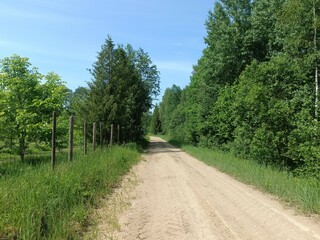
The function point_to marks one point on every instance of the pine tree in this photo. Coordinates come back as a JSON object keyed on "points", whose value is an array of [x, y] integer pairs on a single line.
{"points": [[121, 90]]}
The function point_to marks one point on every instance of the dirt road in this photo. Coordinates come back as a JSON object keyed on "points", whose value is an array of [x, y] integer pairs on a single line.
{"points": [[178, 197]]}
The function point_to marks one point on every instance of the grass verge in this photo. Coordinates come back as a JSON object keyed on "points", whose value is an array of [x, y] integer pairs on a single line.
{"points": [[302, 193], [39, 203]]}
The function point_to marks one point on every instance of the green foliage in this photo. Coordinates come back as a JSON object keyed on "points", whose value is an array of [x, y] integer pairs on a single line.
{"points": [[147, 71], [304, 144], [226, 55], [155, 123], [76, 106], [254, 90], [26, 104], [122, 89], [38, 203], [261, 39], [170, 100], [297, 23], [146, 122], [219, 128]]}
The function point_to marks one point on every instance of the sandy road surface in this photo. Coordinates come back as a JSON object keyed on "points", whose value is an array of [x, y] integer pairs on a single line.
{"points": [[178, 197]]}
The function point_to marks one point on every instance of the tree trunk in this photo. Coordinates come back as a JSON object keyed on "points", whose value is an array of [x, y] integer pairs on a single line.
{"points": [[22, 145]]}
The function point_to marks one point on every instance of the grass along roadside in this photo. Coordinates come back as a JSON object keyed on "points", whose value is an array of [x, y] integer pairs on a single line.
{"points": [[43, 204], [302, 193]]}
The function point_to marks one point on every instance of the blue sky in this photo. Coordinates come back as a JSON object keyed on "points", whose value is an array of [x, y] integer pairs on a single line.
{"points": [[64, 36]]}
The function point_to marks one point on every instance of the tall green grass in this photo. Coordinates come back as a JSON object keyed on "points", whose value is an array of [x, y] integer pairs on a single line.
{"points": [[302, 193], [38, 203]]}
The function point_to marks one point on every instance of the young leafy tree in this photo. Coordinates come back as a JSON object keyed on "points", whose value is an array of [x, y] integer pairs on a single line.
{"points": [[19, 84], [52, 96], [26, 104]]}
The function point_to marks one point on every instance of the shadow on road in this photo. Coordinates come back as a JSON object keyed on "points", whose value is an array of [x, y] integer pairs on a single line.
{"points": [[162, 147]]}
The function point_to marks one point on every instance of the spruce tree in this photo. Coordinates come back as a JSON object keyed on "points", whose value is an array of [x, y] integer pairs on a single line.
{"points": [[122, 88]]}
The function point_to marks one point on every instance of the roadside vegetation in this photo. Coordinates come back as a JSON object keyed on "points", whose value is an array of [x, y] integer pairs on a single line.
{"points": [[38, 203]]}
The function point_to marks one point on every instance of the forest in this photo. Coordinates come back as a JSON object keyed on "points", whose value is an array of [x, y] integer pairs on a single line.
{"points": [[254, 91], [124, 83]]}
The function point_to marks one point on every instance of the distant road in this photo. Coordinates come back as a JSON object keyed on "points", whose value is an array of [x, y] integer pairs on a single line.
{"points": [[179, 197]]}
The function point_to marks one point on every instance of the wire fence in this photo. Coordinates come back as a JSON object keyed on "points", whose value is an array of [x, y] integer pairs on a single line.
{"points": [[83, 138]]}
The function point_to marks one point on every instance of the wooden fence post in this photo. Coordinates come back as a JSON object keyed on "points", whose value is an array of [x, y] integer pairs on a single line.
{"points": [[101, 139], [54, 136], [94, 137], [71, 124], [111, 135], [85, 137]]}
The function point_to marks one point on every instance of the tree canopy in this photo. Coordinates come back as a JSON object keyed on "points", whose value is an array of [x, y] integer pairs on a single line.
{"points": [[124, 83], [254, 91], [27, 101]]}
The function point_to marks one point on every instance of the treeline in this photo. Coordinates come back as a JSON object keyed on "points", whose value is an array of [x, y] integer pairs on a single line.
{"points": [[123, 85], [254, 91]]}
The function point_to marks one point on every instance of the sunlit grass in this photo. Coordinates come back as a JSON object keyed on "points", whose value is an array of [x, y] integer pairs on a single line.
{"points": [[39, 203]]}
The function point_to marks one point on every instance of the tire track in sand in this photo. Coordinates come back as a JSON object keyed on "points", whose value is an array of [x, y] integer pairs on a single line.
{"points": [[179, 197]]}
